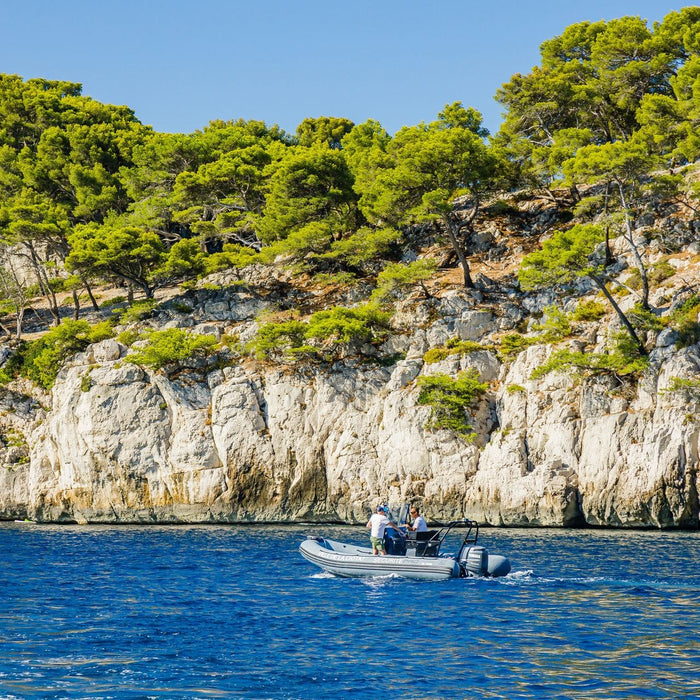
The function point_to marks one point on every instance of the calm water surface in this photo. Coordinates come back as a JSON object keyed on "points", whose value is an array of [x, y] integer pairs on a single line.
{"points": [[234, 612]]}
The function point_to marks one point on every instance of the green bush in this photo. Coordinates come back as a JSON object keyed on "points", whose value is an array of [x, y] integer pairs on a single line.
{"points": [[344, 325], [56, 284], [589, 207], [114, 301], [33, 290], [634, 279], [644, 319], [303, 352], [661, 271], [589, 311], [396, 278], [41, 359], [689, 387], [171, 346], [684, 319], [339, 325], [138, 311], [454, 346], [622, 359], [233, 256], [325, 279], [513, 344], [278, 337], [555, 326], [129, 337], [449, 398], [503, 208], [85, 382]]}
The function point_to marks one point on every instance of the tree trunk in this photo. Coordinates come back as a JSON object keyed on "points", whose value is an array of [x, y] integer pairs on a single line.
{"points": [[76, 305], [43, 281], [453, 232], [13, 289], [608, 253], [629, 236], [18, 323], [620, 314], [575, 194], [88, 289]]}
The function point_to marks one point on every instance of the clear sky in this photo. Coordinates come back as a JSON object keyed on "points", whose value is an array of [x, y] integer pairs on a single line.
{"points": [[181, 64]]}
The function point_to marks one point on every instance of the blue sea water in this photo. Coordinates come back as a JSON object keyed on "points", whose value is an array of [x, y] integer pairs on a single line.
{"points": [[235, 612]]}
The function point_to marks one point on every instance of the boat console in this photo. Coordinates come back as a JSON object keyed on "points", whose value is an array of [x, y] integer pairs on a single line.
{"points": [[427, 544]]}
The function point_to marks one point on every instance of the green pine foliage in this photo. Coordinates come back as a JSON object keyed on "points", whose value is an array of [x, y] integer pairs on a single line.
{"points": [[276, 338], [329, 279], [85, 188], [555, 326], [688, 388], [171, 346], [454, 346], [138, 311], [645, 320], [589, 311], [233, 255], [364, 246], [364, 324], [685, 319], [512, 344], [623, 359], [449, 398], [661, 271], [325, 331], [398, 278], [40, 360]]}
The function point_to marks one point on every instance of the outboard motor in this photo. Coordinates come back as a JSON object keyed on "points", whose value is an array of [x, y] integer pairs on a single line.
{"points": [[498, 565], [474, 561]]}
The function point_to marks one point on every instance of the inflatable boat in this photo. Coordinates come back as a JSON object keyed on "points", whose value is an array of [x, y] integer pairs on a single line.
{"points": [[414, 555]]}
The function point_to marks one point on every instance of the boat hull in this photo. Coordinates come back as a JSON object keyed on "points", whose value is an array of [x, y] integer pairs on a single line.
{"points": [[348, 560]]}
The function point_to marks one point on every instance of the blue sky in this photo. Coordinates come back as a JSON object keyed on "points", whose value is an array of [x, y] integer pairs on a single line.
{"points": [[180, 64]]}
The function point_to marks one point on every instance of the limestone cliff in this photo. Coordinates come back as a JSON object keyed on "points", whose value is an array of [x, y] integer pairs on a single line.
{"points": [[261, 442]]}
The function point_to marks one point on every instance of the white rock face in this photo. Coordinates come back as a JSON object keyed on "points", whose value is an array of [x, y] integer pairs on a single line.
{"points": [[243, 444]]}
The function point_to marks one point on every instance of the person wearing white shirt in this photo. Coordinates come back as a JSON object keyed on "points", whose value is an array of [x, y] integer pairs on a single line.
{"points": [[377, 524], [419, 524]]}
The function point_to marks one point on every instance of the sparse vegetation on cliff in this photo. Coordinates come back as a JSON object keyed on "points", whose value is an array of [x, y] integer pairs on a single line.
{"points": [[449, 398], [41, 359], [170, 346]]}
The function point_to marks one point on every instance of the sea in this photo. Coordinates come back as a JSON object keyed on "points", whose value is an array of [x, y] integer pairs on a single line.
{"points": [[234, 612]]}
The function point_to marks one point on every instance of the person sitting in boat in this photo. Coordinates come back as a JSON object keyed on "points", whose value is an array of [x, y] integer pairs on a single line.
{"points": [[377, 524], [419, 524]]}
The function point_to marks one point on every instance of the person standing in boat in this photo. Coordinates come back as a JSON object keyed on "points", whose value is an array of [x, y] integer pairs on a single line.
{"points": [[377, 525], [419, 524]]}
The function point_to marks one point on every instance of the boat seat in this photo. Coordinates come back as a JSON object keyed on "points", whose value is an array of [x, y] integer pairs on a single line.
{"points": [[423, 543]]}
